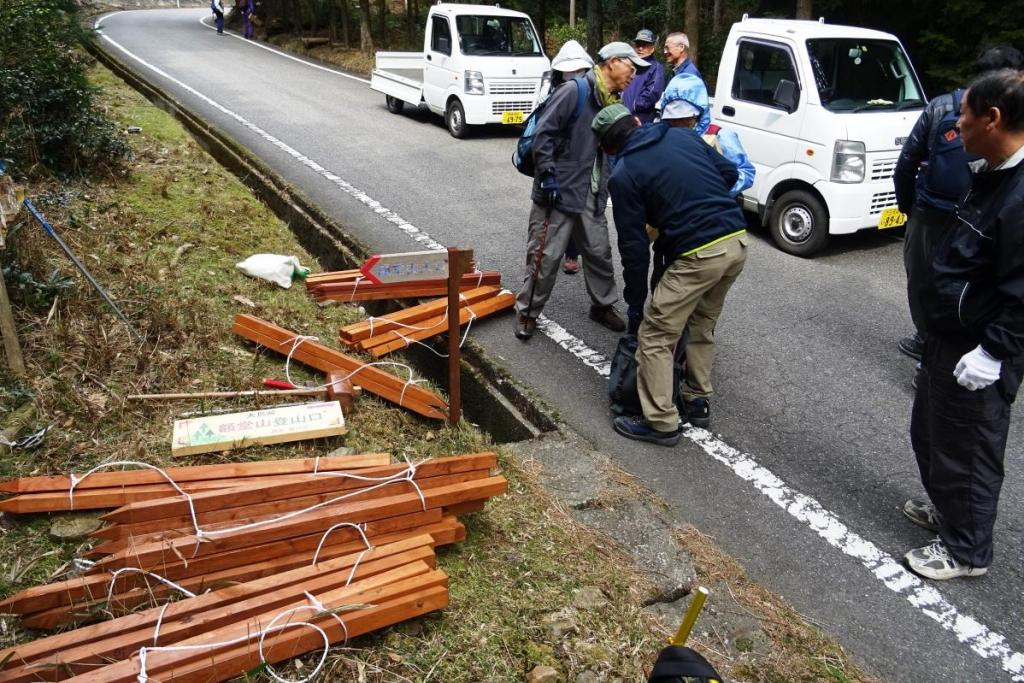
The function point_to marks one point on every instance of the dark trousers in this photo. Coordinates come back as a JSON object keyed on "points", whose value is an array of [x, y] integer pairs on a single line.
{"points": [[218, 20], [926, 229], [959, 438]]}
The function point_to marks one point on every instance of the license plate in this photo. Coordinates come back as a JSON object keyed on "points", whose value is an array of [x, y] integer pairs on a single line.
{"points": [[511, 117], [891, 218]]}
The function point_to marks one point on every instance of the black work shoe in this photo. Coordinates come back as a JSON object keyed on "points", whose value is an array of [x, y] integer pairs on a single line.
{"points": [[525, 326], [609, 317], [698, 413], [911, 346], [638, 428]]}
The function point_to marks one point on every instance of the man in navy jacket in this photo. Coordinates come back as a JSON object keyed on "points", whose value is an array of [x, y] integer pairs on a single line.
{"points": [[670, 186], [645, 89]]}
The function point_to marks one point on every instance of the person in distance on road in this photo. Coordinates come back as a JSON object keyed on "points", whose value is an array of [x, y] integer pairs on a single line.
{"points": [[931, 175], [666, 176], [973, 360], [217, 7], [570, 193]]}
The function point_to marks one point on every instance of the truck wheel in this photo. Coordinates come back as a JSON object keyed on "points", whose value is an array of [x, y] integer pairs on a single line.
{"points": [[799, 223], [455, 119], [395, 105]]}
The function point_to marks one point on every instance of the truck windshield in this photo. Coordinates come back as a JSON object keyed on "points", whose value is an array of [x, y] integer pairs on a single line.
{"points": [[863, 75], [498, 36]]}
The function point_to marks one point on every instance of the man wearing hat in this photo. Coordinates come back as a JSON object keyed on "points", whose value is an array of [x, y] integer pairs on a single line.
{"points": [[645, 90], [671, 187], [570, 193]]}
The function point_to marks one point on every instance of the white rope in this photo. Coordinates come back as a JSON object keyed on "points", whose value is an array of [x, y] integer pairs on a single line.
{"points": [[410, 341], [136, 570], [355, 286]]}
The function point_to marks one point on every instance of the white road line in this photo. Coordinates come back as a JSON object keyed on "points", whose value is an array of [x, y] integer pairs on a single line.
{"points": [[927, 599]]}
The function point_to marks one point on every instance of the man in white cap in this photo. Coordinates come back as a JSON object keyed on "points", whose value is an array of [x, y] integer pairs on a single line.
{"points": [[570, 193]]}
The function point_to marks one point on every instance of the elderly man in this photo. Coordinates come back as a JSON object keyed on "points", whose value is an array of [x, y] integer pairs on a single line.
{"points": [[667, 177], [973, 360], [570, 193], [677, 55], [645, 90]]}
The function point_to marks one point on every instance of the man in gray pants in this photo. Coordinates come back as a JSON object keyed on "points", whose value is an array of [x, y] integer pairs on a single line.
{"points": [[570, 192]]}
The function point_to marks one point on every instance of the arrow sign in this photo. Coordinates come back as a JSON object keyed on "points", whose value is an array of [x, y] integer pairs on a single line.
{"points": [[414, 265]]}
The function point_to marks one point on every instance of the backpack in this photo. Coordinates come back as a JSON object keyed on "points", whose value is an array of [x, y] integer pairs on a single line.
{"points": [[947, 175], [622, 389], [676, 663], [522, 157]]}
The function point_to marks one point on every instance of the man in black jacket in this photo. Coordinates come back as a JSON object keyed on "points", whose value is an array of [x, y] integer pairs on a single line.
{"points": [[931, 175], [973, 304]]}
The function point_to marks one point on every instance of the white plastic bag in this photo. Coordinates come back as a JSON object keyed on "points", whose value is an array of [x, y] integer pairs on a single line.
{"points": [[273, 268]]}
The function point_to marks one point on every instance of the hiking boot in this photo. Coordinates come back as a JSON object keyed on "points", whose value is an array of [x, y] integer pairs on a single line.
{"points": [[638, 428], [922, 514], [571, 265], [911, 346], [934, 561], [698, 413], [525, 326], [609, 317]]}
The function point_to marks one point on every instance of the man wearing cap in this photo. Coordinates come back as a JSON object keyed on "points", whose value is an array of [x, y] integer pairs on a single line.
{"points": [[671, 187], [570, 193], [645, 90]]}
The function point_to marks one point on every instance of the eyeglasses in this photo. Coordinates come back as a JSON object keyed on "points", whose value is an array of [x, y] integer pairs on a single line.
{"points": [[629, 63]]}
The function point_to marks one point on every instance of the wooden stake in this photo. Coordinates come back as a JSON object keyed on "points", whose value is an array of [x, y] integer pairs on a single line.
{"points": [[458, 264], [15, 361]]}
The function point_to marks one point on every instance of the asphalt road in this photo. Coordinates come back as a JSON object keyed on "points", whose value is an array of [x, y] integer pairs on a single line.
{"points": [[810, 459]]}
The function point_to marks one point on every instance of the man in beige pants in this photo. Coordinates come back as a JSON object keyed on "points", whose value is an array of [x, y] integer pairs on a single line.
{"points": [[667, 176]]}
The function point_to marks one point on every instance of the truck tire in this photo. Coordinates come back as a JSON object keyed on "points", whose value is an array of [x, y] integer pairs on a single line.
{"points": [[395, 105], [455, 119], [799, 223]]}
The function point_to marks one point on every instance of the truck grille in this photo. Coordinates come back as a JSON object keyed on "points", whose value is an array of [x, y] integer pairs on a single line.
{"points": [[525, 106], [512, 88], [882, 169], [882, 200]]}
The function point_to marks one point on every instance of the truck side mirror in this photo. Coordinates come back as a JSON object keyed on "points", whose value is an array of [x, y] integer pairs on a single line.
{"points": [[786, 94]]}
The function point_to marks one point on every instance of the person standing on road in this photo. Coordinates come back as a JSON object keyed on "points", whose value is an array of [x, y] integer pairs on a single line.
{"points": [[217, 7], [248, 11], [677, 55], [670, 186], [570, 193], [973, 360], [931, 175], [645, 90]]}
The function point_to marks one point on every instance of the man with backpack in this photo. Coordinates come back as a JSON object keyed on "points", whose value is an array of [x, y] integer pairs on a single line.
{"points": [[217, 7], [931, 175], [570, 191]]}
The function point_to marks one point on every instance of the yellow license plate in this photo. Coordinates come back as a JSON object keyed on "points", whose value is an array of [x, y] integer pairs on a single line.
{"points": [[891, 218], [511, 117]]}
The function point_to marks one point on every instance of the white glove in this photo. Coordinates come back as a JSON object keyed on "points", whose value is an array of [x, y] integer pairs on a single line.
{"points": [[976, 369]]}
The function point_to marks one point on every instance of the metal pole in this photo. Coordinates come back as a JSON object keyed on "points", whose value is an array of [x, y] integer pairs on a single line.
{"points": [[696, 605]]}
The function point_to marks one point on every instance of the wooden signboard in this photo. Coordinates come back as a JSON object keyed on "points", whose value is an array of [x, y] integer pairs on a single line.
{"points": [[406, 267], [267, 426]]}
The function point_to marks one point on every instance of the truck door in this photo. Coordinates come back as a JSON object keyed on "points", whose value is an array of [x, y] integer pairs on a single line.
{"points": [[769, 133], [438, 73]]}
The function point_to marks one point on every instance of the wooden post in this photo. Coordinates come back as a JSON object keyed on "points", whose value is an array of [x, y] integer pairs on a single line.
{"points": [[458, 263], [9, 206]]}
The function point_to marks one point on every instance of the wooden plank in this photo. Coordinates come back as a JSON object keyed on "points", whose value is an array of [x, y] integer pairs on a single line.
{"points": [[410, 316], [234, 470], [465, 508], [219, 500], [358, 290]]}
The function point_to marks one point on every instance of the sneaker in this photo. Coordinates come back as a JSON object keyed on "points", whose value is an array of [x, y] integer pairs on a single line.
{"points": [[525, 326], [571, 265], [934, 561], [638, 428], [922, 514], [609, 317], [698, 413], [911, 346]]}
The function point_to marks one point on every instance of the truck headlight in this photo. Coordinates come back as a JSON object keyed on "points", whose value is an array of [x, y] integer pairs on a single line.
{"points": [[474, 82], [848, 162]]}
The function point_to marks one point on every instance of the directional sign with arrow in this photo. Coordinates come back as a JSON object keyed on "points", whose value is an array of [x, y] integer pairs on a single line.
{"points": [[413, 265]]}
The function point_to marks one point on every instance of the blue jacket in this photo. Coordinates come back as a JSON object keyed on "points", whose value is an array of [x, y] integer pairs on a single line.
{"points": [[644, 91], [673, 180], [687, 67]]}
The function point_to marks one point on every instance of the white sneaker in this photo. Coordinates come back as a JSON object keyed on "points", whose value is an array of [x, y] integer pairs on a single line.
{"points": [[935, 562]]}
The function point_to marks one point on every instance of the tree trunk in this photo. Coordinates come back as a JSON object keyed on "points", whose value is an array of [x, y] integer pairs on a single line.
{"points": [[542, 22], [670, 16], [382, 22], [594, 26], [693, 27], [804, 9], [296, 11], [716, 19], [408, 22], [365, 37], [346, 30]]}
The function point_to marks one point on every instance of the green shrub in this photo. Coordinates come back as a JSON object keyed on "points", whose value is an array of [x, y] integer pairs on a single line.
{"points": [[47, 112], [560, 34]]}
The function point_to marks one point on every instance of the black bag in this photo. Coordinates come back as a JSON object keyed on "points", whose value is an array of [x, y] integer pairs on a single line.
{"points": [[677, 664], [622, 390]]}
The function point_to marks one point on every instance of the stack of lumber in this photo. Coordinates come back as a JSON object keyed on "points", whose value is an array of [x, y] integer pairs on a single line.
{"points": [[332, 547], [344, 286], [113, 489], [382, 335], [320, 357]]}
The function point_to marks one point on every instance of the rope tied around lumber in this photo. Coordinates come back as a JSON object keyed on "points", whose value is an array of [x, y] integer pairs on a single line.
{"points": [[373, 318], [300, 338], [465, 335]]}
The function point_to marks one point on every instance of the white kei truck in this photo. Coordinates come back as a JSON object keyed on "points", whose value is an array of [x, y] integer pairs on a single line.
{"points": [[480, 64], [823, 111]]}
